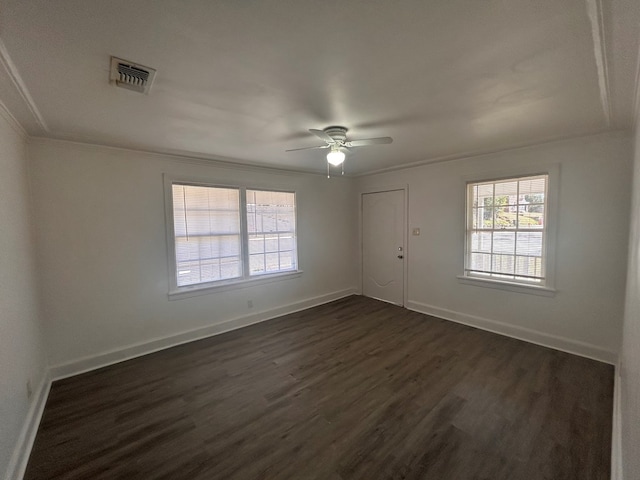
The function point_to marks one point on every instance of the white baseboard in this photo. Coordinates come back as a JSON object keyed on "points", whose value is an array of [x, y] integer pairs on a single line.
{"points": [[132, 351], [616, 433], [521, 333], [22, 451]]}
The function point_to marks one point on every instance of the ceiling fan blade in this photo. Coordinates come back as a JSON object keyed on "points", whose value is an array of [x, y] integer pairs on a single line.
{"points": [[369, 141], [322, 135], [306, 148]]}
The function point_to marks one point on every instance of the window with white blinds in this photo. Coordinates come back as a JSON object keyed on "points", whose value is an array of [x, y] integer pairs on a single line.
{"points": [[271, 226], [507, 229], [223, 235], [206, 223]]}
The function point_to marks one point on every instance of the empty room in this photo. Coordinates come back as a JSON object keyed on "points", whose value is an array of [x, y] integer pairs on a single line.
{"points": [[280, 239]]}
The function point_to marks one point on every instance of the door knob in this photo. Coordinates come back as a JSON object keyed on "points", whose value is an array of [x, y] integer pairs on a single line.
{"points": [[400, 257]]}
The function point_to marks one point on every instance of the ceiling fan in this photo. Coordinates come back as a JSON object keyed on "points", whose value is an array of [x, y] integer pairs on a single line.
{"points": [[336, 140]]}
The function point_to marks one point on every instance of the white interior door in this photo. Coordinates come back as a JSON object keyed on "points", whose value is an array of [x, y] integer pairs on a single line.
{"points": [[383, 230]]}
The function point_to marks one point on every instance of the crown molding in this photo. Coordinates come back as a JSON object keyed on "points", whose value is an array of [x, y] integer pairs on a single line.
{"points": [[206, 160], [483, 153], [12, 121], [636, 92], [21, 88], [594, 11]]}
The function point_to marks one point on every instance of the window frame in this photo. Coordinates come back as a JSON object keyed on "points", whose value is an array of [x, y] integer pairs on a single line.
{"points": [[246, 279], [547, 288]]}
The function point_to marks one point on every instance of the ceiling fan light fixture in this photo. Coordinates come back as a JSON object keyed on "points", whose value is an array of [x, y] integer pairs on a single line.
{"points": [[335, 157], [335, 139]]}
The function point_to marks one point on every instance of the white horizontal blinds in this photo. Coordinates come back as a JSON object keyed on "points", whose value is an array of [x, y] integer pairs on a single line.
{"points": [[271, 228], [206, 222], [506, 231]]}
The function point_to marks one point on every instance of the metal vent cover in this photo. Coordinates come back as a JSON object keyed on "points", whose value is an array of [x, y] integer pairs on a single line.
{"points": [[131, 75]]}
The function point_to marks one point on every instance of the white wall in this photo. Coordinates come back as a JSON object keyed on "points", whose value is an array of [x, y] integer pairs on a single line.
{"points": [[103, 262], [630, 355], [585, 316], [101, 241], [21, 353]]}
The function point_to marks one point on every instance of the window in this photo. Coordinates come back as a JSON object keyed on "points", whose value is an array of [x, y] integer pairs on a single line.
{"points": [[271, 225], [226, 235], [507, 230], [206, 224]]}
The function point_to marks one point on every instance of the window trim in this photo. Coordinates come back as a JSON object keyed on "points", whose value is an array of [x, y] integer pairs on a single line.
{"points": [[246, 280], [550, 240]]}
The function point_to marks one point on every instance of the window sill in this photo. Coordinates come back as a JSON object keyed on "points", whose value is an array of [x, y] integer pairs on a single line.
{"points": [[196, 290], [508, 286]]}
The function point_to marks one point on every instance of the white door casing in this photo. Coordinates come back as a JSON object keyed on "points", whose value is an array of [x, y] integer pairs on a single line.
{"points": [[383, 245]]}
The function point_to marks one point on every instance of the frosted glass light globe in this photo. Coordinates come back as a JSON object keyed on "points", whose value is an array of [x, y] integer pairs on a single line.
{"points": [[335, 157]]}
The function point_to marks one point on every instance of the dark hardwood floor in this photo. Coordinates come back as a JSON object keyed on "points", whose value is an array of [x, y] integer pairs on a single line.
{"points": [[355, 389]]}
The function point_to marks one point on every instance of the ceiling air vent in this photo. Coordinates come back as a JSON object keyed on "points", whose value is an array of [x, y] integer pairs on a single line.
{"points": [[130, 75]]}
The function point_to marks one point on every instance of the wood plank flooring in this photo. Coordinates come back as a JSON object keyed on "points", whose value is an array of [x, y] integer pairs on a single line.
{"points": [[355, 389]]}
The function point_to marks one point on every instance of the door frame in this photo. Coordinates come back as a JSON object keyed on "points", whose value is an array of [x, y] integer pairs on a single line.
{"points": [[405, 242]]}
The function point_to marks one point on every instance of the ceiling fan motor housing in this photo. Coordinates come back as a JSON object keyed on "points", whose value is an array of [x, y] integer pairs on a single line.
{"points": [[339, 134]]}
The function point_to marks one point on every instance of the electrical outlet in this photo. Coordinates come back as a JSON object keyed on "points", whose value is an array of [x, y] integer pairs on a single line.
{"points": [[250, 303], [29, 390]]}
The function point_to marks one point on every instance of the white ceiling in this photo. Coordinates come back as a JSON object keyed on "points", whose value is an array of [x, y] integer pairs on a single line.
{"points": [[243, 80]]}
